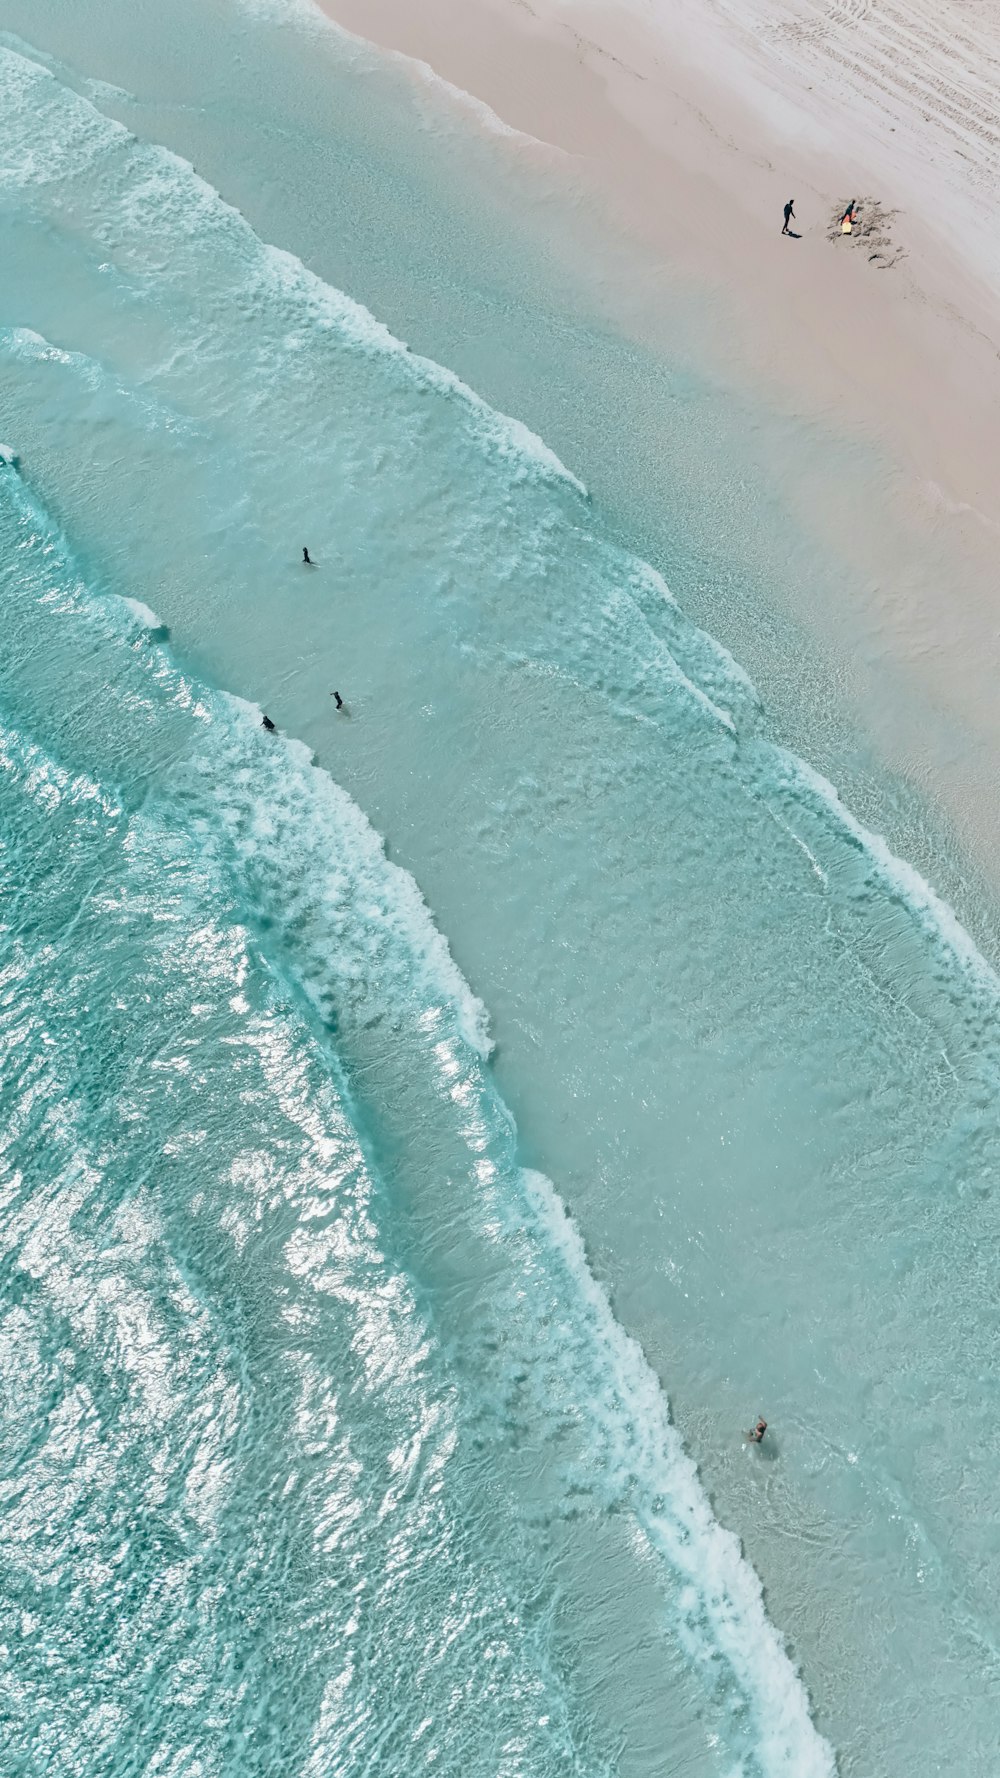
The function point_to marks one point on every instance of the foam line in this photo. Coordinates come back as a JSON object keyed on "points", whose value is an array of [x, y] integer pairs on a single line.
{"points": [[31, 347], [319, 860], [648, 1469], [91, 134], [902, 882], [145, 618]]}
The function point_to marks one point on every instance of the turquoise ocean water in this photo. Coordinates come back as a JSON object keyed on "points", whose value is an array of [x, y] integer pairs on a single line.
{"points": [[395, 1242]]}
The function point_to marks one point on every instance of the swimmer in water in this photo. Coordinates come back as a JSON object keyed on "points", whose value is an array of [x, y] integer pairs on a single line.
{"points": [[340, 701], [758, 1432], [307, 561], [269, 725]]}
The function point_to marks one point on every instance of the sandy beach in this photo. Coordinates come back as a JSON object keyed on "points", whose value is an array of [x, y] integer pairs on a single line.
{"points": [[694, 125]]}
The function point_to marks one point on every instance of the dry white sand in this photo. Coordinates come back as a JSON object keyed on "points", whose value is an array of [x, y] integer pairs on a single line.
{"points": [[695, 120], [910, 88]]}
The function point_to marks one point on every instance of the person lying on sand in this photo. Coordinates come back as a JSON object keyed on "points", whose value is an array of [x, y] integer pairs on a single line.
{"points": [[847, 220], [758, 1432]]}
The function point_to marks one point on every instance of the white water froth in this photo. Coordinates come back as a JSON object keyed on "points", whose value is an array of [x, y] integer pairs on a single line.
{"points": [[331, 307], [902, 882], [786, 772], [146, 618], [715, 663], [31, 347], [305, 837], [163, 185], [650, 1470]]}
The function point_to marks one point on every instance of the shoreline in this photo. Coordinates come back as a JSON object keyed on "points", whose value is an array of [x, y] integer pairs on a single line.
{"points": [[901, 356]]}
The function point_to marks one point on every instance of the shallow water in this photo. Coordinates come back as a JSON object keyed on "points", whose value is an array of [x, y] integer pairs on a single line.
{"points": [[325, 1451]]}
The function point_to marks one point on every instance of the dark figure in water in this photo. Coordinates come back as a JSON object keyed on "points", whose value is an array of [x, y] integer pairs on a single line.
{"points": [[789, 214], [269, 725], [758, 1432], [307, 561], [340, 701]]}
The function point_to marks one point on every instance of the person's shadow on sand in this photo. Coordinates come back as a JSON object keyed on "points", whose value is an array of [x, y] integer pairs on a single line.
{"points": [[792, 236]]}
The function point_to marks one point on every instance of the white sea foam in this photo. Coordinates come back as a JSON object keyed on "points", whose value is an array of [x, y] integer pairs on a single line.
{"points": [[617, 606], [898, 878], [25, 343], [649, 1470], [146, 618], [30, 347], [728, 666], [302, 12], [356, 324], [468, 102], [314, 854], [787, 773], [165, 200]]}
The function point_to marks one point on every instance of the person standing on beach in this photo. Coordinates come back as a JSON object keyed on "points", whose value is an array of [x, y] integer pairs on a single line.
{"points": [[789, 214]]}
